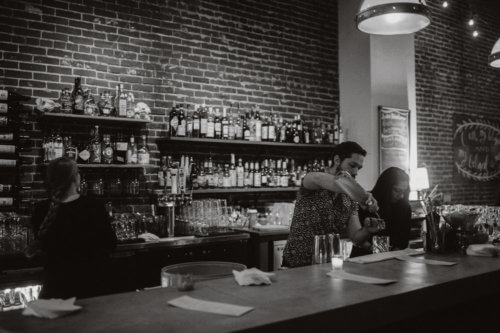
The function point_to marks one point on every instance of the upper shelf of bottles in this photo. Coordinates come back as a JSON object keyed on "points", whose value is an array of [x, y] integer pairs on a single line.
{"points": [[317, 147], [113, 166], [246, 190], [70, 116]]}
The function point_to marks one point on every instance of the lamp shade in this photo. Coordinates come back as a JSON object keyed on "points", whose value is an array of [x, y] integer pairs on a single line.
{"points": [[419, 179], [386, 17], [494, 58]]}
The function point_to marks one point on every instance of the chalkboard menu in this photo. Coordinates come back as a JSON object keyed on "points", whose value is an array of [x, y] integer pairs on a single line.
{"points": [[476, 148], [394, 144]]}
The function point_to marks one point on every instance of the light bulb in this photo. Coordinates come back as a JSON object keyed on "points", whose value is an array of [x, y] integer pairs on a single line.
{"points": [[475, 33], [471, 22], [445, 4]]}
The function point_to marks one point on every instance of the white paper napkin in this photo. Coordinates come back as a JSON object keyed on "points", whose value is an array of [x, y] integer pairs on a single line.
{"points": [[483, 250], [338, 274], [384, 256], [190, 303], [51, 308], [426, 261], [252, 276]]}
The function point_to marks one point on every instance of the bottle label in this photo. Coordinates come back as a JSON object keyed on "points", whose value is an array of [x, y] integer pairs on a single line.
{"points": [[174, 123], [6, 201], [107, 154], [84, 155], [143, 158], [203, 126], [210, 130], [271, 133], [122, 108], [7, 149], [196, 124], [265, 133], [4, 95], [79, 102], [121, 146], [181, 129], [226, 182], [4, 108]]}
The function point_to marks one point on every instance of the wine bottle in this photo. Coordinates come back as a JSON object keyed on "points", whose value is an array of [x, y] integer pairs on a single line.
{"points": [[12, 96], [77, 97]]}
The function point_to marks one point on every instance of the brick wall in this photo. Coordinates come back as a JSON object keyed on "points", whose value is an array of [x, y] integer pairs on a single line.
{"points": [[453, 77], [280, 55]]}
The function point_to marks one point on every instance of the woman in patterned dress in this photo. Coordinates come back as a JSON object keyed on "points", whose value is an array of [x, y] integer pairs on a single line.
{"points": [[327, 202]]}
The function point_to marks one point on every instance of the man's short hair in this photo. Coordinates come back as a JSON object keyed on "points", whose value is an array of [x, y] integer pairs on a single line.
{"points": [[346, 149]]}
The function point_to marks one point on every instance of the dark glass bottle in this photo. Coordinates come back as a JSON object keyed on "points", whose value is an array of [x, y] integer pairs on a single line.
{"points": [[77, 97]]}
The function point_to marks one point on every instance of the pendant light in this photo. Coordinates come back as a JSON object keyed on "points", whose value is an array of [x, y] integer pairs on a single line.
{"points": [[389, 17], [494, 58]]}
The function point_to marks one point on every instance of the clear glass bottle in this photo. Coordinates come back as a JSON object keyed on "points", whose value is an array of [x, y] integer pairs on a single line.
{"points": [[143, 151], [132, 151]]}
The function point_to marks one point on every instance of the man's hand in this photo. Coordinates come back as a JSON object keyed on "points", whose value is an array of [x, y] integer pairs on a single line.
{"points": [[373, 224], [370, 204]]}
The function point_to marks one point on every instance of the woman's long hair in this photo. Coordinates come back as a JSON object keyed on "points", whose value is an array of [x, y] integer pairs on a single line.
{"points": [[382, 191], [61, 173]]}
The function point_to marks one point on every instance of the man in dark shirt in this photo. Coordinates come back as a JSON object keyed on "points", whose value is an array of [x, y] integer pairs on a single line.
{"points": [[327, 202]]}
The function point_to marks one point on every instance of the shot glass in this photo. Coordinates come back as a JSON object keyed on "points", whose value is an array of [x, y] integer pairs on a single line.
{"points": [[337, 251]]}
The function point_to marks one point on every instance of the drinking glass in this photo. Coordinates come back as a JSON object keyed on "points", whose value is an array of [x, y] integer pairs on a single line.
{"points": [[320, 249], [380, 244], [336, 251]]}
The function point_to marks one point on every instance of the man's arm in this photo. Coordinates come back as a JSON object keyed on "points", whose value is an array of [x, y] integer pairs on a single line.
{"points": [[339, 184]]}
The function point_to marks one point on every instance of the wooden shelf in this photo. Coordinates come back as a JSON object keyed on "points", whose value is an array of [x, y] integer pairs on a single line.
{"points": [[114, 166], [203, 141], [77, 117]]}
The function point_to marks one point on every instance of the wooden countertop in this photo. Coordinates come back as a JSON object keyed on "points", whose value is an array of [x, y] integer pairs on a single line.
{"points": [[299, 299]]}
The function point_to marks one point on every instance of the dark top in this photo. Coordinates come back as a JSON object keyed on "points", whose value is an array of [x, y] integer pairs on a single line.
{"points": [[397, 226], [317, 212], [77, 248]]}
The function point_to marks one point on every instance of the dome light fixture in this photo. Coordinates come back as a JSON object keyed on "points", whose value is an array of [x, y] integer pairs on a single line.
{"points": [[494, 58], [389, 17]]}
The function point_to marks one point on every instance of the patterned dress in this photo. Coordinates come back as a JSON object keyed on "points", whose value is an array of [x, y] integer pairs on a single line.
{"points": [[317, 212]]}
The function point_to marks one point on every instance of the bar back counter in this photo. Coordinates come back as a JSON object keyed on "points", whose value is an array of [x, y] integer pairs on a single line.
{"points": [[424, 298]]}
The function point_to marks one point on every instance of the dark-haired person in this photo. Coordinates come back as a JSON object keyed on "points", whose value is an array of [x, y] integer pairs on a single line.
{"points": [[391, 192], [327, 202], [74, 234]]}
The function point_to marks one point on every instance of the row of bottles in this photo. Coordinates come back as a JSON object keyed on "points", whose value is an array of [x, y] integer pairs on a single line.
{"points": [[250, 125], [78, 101], [116, 187], [97, 150], [176, 177]]}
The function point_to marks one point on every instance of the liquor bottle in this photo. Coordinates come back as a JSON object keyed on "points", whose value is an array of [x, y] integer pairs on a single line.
{"points": [[143, 151], [232, 128], [203, 121], [264, 173], [247, 182], [232, 171], [189, 122], [196, 122], [272, 128], [95, 146], [342, 132], [336, 130], [77, 97], [265, 128], [210, 124], [246, 130], [161, 171], [181, 128], [238, 126], [12, 96], [202, 180], [65, 101], [58, 150], [329, 133], [130, 105], [89, 106], [122, 102], [210, 174], [107, 150], [284, 175], [193, 178], [83, 153], [218, 124], [120, 150], [295, 130], [240, 174], [132, 151], [220, 175], [258, 125], [277, 174], [257, 176], [226, 179], [292, 176], [250, 175], [174, 121], [300, 127], [251, 124], [108, 107], [225, 125], [70, 150]]}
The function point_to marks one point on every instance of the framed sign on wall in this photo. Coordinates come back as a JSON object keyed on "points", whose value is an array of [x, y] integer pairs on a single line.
{"points": [[394, 138]]}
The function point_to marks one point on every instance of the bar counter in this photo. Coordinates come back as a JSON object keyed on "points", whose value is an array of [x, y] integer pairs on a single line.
{"points": [[302, 299]]}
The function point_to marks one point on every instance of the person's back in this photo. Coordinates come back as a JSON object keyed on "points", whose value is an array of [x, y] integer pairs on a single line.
{"points": [[75, 236]]}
